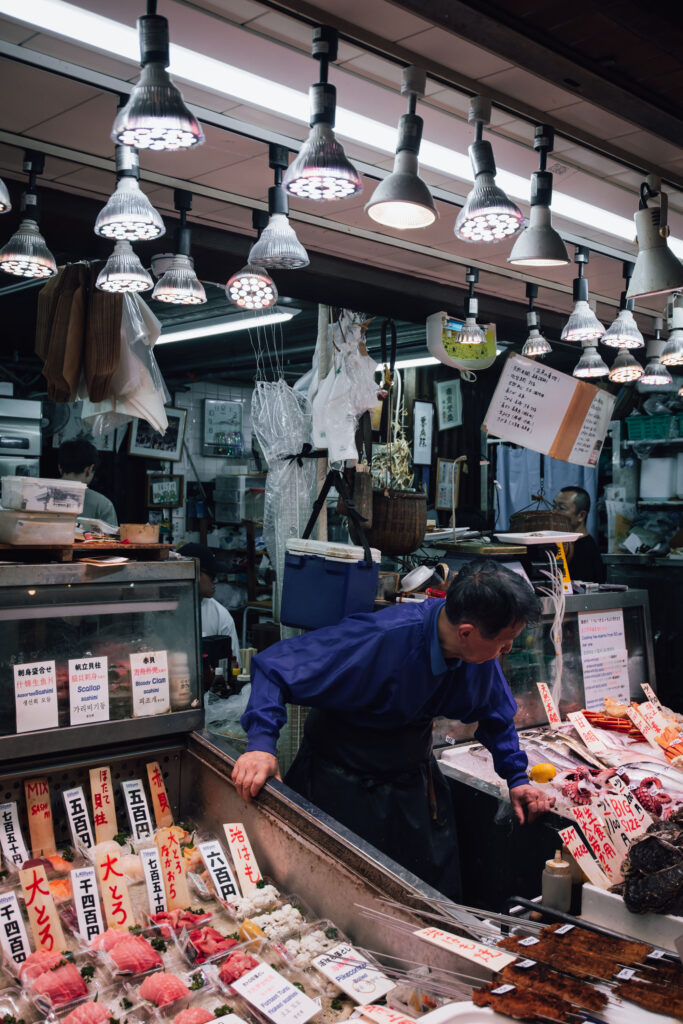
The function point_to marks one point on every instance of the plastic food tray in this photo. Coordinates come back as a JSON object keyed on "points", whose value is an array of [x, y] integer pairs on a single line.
{"points": [[42, 494]]}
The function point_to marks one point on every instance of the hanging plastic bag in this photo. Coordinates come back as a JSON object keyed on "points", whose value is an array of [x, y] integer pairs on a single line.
{"points": [[334, 421]]}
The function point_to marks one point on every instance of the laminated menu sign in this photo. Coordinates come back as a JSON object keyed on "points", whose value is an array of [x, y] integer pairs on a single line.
{"points": [[274, 996], [43, 918], [79, 822], [486, 956], [35, 696], [352, 973], [604, 657], [138, 811], [149, 674], [153, 880], [88, 690], [219, 869], [549, 412], [87, 901], [13, 938], [12, 842], [243, 857]]}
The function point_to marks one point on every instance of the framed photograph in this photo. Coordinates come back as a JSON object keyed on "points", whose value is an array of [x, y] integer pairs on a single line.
{"points": [[164, 490], [423, 429], [449, 403], [222, 433], [145, 441], [445, 482]]}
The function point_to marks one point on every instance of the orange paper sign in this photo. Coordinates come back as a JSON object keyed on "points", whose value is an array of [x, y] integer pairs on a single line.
{"points": [[118, 909], [248, 874], [172, 869], [551, 711], [39, 813], [485, 956], [579, 851], [43, 918], [162, 808], [103, 810]]}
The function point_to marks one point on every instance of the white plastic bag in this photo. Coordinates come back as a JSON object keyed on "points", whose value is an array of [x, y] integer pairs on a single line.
{"points": [[334, 421]]}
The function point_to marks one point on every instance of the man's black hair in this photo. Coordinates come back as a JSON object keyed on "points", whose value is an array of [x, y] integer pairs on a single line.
{"points": [[75, 456], [491, 597], [582, 499]]}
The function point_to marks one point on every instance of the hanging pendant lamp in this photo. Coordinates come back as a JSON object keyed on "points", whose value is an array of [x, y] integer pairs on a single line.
{"points": [[179, 285], [624, 333], [128, 213], [539, 245], [582, 325], [26, 254], [278, 248], [252, 287]]}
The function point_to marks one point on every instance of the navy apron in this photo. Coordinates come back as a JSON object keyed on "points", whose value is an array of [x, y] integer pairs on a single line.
{"points": [[385, 785]]}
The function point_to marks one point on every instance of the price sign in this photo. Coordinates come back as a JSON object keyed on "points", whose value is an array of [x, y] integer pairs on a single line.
{"points": [[154, 880], [35, 696], [39, 810], [149, 673], [648, 729], [633, 818], [42, 914], [88, 690], [104, 811], [138, 811], [475, 952], [549, 705], [118, 909], [79, 822], [87, 901], [162, 808], [172, 869], [13, 937], [593, 828], [352, 973], [242, 857], [651, 695], [384, 1015], [274, 996], [586, 731], [217, 865], [579, 851], [13, 846]]}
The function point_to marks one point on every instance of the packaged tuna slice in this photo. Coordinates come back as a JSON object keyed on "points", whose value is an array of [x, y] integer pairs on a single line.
{"points": [[108, 939], [162, 988], [59, 986], [191, 1015], [135, 955], [206, 943], [173, 921], [88, 1013], [37, 963]]}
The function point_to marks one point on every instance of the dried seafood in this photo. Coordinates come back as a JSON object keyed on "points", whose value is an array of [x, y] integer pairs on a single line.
{"points": [[654, 996], [545, 981], [653, 870], [522, 1004], [582, 953]]}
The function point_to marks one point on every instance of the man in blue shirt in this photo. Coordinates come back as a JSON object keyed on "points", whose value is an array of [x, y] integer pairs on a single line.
{"points": [[375, 682]]}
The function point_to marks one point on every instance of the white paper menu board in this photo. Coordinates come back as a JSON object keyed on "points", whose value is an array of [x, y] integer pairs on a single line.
{"points": [[549, 412], [604, 657]]}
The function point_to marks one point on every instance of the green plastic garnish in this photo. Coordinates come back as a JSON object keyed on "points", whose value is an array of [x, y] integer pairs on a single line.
{"points": [[121, 838], [233, 935], [336, 1004], [68, 854], [197, 981], [221, 1011], [158, 943], [135, 929], [114, 1020], [331, 933], [297, 984], [126, 1003], [261, 884], [88, 972], [198, 911]]}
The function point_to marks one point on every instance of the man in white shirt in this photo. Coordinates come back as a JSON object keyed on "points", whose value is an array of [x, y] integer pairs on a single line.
{"points": [[216, 619], [77, 460]]}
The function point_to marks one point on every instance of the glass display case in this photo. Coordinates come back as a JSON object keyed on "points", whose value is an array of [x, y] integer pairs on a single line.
{"points": [[85, 649]]}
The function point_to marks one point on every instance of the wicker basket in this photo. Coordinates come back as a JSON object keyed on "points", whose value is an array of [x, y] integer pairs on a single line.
{"points": [[399, 521], [529, 520]]}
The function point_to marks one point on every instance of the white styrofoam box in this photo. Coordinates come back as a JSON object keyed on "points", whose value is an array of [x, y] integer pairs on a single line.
{"points": [[42, 494], [609, 910], [658, 478], [332, 550], [27, 528]]}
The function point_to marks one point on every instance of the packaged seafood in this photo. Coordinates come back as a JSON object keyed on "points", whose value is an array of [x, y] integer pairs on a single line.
{"points": [[162, 987], [59, 985], [133, 954]]}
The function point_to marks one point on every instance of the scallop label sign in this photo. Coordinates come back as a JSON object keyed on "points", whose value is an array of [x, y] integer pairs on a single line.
{"points": [[352, 973]]}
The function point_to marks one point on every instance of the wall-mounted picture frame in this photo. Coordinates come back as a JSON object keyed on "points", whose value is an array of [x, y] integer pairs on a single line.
{"points": [[445, 482], [222, 435], [423, 432], [449, 403], [147, 443], [165, 490]]}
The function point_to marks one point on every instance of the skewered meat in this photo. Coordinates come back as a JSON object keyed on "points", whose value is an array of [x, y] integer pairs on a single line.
{"points": [[61, 985], [544, 981], [88, 1013], [162, 988], [582, 953], [652, 996], [626, 951], [523, 1004]]}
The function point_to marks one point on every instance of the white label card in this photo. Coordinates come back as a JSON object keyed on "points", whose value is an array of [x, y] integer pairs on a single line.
{"points": [[525, 964], [651, 695], [149, 673], [13, 845], [13, 937], [154, 880], [87, 900], [79, 822], [352, 973], [35, 696], [656, 954], [475, 952], [384, 1015], [502, 989], [88, 690], [626, 974], [564, 929], [274, 996], [604, 658], [530, 940], [138, 810], [217, 865]]}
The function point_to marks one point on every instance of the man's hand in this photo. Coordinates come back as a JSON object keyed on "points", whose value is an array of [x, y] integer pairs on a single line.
{"points": [[529, 803], [253, 769]]}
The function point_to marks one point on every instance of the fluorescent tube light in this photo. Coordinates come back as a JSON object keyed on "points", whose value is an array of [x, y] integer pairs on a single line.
{"points": [[205, 329], [104, 34], [407, 364]]}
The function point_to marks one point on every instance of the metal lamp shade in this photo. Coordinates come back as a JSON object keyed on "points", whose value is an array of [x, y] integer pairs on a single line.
{"points": [[278, 248], [128, 214], [322, 171], [657, 270], [5, 201], [625, 368], [251, 288], [582, 325], [672, 353], [623, 333], [656, 376], [488, 215], [402, 200], [123, 272], [180, 286], [539, 245], [591, 364], [536, 345], [155, 116], [26, 254]]}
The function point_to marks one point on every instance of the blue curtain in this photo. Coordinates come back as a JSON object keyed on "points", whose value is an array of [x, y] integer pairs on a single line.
{"points": [[518, 471]]}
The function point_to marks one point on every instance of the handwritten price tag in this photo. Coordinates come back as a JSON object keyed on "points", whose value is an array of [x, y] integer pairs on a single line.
{"points": [[632, 816], [13, 847], [172, 869], [40, 824], [118, 908], [248, 873], [162, 808], [593, 828], [104, 812], [384, 1015], [651, 695], [586, 731], [579, 851], [13, 937], [485, 956], [43, 918], [551, 711]]}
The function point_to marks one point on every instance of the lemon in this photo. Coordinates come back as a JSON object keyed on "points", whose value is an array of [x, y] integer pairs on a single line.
{"points": [[542, 772], [249, 930]]}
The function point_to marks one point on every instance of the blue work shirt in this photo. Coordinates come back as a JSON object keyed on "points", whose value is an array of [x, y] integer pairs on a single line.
{"points": [[383, 670]]}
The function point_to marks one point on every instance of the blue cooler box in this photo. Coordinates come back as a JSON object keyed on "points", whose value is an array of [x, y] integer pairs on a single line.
{"points": [[324, 582]]}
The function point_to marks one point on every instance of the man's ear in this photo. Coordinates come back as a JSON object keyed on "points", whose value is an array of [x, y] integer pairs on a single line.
{"points": [[582, 515], [465, 630]]}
